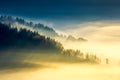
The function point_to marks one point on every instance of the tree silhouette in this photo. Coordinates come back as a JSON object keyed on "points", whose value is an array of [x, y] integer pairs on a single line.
{"points": [[22, 38]]}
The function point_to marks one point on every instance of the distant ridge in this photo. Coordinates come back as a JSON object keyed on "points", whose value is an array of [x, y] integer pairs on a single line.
{"points": [[38, 27], [41, 28]]}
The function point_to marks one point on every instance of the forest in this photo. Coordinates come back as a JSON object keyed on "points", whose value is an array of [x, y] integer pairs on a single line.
{"points": [[12, 38], [21, 48]]}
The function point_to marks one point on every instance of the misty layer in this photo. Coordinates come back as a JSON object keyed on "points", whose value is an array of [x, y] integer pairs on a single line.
{"points": [[24, 48]]}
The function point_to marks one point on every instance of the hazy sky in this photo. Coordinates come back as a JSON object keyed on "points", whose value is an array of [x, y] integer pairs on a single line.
{"points": [[63, 12]]}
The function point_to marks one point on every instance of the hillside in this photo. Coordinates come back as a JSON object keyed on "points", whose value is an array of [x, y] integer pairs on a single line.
{"points": [[22, 48], [13, 38], [41, 28], [38, 27]]}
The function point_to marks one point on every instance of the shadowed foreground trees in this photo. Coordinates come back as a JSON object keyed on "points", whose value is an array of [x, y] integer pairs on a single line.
{"points": [[25, 39]]}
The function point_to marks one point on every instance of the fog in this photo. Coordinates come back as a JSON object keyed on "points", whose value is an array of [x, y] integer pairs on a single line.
{"points": [[72, 71], [66, 72], [102, 50], [103, 40]]}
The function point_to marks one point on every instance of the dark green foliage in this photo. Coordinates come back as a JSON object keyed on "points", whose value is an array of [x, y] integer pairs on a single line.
{"points": [[25, 39]]}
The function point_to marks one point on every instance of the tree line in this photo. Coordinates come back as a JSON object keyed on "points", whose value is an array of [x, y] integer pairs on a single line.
{"points": [[83, 57], [22, 38], [14, 38]]}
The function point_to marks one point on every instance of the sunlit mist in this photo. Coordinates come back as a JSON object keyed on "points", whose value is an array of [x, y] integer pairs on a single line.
{"points": [[103, 38], [86, 51]]}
